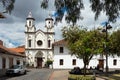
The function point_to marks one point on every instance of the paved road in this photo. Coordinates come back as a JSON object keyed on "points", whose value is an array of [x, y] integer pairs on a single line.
{"points": [[33, 74]]}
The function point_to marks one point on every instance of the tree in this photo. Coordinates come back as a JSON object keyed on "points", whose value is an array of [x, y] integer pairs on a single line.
{"points": [[8, 5], [73, 8], [114, 45], [82, 43]]}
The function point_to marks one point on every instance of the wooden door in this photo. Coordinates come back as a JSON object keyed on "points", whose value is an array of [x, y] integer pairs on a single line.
{"points": [[101, 63], [39, 62]]}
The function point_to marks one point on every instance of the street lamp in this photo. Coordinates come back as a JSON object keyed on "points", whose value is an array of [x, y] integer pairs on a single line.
{"points": [[107, 27]]}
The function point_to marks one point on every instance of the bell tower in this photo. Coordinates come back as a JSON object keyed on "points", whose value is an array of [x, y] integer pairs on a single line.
{"points": [[49, 24], [30, 31], [30, 26]]}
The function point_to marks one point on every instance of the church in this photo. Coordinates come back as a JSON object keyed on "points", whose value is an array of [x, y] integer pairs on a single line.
{"points": [[40, 46], [38, 43]]}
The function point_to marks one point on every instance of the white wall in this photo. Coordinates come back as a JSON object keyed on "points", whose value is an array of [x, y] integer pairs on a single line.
{"points": [[68, 60], [110, 62], [15, 58]]}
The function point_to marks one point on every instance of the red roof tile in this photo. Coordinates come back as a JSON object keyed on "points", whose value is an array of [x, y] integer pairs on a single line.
{"points": [[5, 50], [60, 42], [18, 50]]}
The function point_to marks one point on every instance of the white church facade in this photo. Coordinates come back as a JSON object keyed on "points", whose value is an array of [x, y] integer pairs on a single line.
{"points": [[38, 43], [41, 46]]}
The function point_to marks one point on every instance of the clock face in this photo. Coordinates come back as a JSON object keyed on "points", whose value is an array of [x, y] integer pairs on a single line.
{"points": [[39, 42]]}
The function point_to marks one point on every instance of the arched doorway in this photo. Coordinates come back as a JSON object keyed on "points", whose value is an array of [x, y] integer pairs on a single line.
{"points": [[39, 59]]}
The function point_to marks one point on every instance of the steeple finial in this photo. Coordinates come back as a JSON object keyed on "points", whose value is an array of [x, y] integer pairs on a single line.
{"points": [[50, 16], [30, 15]]}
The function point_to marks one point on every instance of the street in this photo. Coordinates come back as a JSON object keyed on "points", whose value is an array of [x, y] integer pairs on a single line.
{"points": [[32, 74]]}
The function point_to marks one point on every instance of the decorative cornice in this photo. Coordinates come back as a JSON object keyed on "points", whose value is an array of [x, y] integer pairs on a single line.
{"points": [[30, 32], [30, 18], [37, 49], [49, 32], [48, 19]]}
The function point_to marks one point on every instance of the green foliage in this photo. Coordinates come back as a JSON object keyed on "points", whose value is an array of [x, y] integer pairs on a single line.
{"points": [[73, 9], [110, 7], [114, 44], [8, 5], [82, 43], [49, 62], [81, 77], [44, 4]]}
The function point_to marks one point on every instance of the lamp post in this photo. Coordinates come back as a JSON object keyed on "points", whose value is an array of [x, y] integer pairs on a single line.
{"points": [[107, 27]]}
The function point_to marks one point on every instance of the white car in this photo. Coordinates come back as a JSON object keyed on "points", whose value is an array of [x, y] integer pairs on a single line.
{"points": [[16, 69]]}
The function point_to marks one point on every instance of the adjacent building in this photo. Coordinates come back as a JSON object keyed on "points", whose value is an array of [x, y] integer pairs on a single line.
{"points": [[63, 60], [8, 58]]}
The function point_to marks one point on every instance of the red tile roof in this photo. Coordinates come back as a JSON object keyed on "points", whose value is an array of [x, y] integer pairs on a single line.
{"points": [[60, 42], [18, 50], [4, 50]]}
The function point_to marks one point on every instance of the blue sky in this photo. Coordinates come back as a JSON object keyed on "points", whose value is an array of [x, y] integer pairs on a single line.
{"points": [[12, 28]]}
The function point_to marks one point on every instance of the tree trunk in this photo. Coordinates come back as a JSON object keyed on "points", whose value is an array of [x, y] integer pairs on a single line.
{"points": [[84, 70]]}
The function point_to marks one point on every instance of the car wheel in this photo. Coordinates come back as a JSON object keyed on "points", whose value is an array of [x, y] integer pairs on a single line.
{"points": [[25, 72], [19, 73]]}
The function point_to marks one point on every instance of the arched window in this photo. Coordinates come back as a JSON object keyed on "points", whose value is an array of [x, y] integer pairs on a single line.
{"points": [[114, 62], [30, 23], [29, 43], [49, 43]]}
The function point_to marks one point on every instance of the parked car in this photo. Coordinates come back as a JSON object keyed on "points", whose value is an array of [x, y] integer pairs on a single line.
{"points": [[16, 69], [76, 70]]}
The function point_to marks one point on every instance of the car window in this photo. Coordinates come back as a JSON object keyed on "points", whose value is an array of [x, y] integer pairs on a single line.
{"points": [[15, 67]]}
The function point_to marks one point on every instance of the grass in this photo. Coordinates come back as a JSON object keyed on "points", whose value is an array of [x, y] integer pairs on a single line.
{"points": [[111, 76], [114, 76]]}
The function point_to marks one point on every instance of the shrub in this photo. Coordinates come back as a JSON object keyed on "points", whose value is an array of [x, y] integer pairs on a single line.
{"points": [[81, 77], [49, 62]]}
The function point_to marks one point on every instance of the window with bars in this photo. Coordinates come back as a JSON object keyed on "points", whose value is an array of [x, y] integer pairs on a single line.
{"points": [[61, 50], [3, 63], [18, 62], [74, 62], [61, 62]]}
